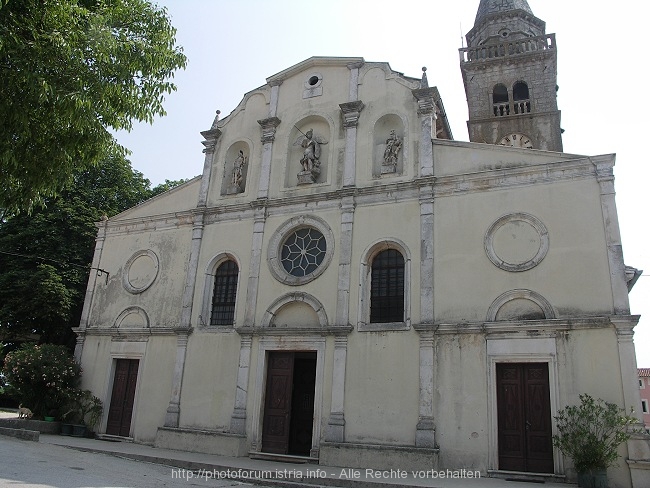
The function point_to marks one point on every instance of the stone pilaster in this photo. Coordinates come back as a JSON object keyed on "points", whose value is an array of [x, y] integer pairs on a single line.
{"points": [[345, 258], [211, 138], [426, 256], [335, 431], [255, 265], [238, 419], [275, 92], [269, 126], [427, 115], [92, 277], [351, 112], [354, 80], [638, 446], [174, 407], [185, 326], [425, 433], [605, 176], [79, 346]]}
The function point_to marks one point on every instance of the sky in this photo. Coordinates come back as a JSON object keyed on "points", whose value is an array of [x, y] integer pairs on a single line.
{"points": [[234, 45]]}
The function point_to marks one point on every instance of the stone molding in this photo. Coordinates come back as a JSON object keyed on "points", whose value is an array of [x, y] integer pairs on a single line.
{"points": [[534, 222], [443, 186], [208, 290], [139, 311], [508, 296], [351, 112], [269, 127], [278, 238], [128, 286], [299, 296]]}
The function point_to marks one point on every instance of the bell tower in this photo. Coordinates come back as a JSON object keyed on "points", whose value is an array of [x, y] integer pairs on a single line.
{"points": [[510, 75]]}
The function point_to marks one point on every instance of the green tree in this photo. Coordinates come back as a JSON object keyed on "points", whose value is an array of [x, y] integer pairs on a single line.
{"points": [[45, 257], [70, 70]]}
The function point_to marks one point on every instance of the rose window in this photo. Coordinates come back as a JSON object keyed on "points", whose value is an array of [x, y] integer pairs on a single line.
{"points": [[303, 251]]}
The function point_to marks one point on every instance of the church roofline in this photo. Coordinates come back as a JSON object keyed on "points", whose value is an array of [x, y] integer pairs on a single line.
{"points": [[311, 62]]}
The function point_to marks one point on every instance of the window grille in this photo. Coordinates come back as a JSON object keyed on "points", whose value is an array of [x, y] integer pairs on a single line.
{"points": [[387, 287], [225, 292]]}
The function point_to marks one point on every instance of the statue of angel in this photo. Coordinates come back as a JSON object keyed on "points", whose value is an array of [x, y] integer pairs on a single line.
{"points": [[311, 150]]}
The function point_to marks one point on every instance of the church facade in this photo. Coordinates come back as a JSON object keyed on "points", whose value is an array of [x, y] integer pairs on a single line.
{"points": [[345, 282]]}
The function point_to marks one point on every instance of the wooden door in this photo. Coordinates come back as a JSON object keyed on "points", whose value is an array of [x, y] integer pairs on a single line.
{"points": [[302, 404], [289, 404], [120, 411], [277, 405], [524, 417]]}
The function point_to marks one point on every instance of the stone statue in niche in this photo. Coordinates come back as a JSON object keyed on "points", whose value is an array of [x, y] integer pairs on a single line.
{"points": [[237, 183], [393, 146], [310, 160]]}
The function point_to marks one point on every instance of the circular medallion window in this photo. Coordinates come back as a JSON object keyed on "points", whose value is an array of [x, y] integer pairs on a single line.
{"points": [[300, 250], [516, 242], [140, 271]]}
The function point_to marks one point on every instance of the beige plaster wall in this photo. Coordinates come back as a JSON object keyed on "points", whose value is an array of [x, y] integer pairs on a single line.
{"points": [[183, 197], [208, 394], [153, 388], [162, 300], [382, 388], [573, 277], [460, 401]]}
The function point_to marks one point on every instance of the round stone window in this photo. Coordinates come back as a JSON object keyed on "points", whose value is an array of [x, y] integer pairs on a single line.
{"points": [[300, 250], [303, 251]]}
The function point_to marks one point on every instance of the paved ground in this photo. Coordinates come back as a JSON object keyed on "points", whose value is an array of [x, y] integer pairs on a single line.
{"points": [[63, 461], [40, 465]]}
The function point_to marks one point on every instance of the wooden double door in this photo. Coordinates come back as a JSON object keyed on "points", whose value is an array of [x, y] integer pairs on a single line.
{"points": [[524, 417], [120, 411], [289, 403]]}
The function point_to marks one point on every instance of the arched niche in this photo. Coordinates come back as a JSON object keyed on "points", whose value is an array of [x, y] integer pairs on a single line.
{"points": [[295, 310], [236, 168], [321, 132], [132, 318], [520, 305], [389, 146]]}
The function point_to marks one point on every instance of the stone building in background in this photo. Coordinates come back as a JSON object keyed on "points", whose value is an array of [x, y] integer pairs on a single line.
{"points": [[347, 283]]}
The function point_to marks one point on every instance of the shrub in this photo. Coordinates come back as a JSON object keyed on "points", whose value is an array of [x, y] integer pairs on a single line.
{"points": [[39, 376], [591, 432], [82, 407]]}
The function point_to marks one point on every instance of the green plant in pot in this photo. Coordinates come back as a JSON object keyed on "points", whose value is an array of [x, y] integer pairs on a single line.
{"points": [[83, 410], [590, 434]]}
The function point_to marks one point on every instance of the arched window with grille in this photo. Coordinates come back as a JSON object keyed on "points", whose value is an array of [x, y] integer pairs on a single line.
{"points": [[224, 294], [521, 97], [387, 287], [500, 102]]}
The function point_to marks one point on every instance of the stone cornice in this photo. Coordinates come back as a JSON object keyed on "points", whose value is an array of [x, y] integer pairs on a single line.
{"points": [[351, 112], [129, 333], [269, 127], [491, 180], [512, 177], [334, 330], [530, 327]]}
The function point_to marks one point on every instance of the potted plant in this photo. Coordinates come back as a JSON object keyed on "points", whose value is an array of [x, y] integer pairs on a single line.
{"points": [[590, 434], [82, 413]]}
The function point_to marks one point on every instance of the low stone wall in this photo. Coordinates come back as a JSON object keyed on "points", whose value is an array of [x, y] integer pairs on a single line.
{"points": [[375, 456], [27, 435], [30, 424], [206, 441]]}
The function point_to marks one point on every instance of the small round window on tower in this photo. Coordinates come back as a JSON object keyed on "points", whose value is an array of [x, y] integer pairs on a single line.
{"points": [[504, 32], [313, 80]]}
